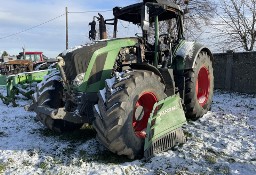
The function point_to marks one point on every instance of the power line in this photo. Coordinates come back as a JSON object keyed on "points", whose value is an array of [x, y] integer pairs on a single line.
{"points": [[92, 11], [25, 30]]}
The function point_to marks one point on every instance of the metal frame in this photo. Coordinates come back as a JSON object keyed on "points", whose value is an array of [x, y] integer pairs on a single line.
{"points": [[16, 84]]}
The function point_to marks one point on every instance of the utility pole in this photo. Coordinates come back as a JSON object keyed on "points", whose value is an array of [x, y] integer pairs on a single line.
{"points": [[24, 53], [66, 27]]}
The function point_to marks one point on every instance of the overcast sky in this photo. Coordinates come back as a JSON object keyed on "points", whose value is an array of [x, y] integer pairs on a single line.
{"points": [[19, 15]]}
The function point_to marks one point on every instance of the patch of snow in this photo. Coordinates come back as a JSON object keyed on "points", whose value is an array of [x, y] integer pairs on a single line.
{"points": [[71, 50], [52, 66], [53, 77], [46, 89], [47, 78], [77, 47], [103, 94], [110, 83], [39, 66], [35, 95], [221, 142], [24, 91], [120, 76], [97, 109], [52, 73], [45, 101]]}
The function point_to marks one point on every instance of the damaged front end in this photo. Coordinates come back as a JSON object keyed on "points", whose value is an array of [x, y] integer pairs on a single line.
{"points": [[76, 106], [82, 72]]}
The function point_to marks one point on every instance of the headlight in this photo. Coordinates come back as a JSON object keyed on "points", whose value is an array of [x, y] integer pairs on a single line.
{"points": [[79, 79]]}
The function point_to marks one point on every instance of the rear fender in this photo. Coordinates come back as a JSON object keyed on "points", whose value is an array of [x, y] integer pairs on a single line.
{"points": [[186, 54]]}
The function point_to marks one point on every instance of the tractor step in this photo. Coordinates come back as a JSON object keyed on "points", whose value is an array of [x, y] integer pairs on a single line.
{"points": [[164, 129]]}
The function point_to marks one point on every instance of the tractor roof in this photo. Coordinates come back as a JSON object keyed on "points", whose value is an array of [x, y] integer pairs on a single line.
{"points": [[132, 13]]}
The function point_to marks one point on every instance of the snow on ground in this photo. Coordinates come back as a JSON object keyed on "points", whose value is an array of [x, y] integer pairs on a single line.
{"points": [[222, 142]]}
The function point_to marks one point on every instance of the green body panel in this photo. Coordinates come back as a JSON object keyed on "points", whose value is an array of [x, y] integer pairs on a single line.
{"points": [[167, 115], [21, 79], [112, 49]]}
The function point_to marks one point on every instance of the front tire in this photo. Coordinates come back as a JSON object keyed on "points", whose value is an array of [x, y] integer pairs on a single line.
{"points": [[199, 86], [50, 95], [123, 111]]}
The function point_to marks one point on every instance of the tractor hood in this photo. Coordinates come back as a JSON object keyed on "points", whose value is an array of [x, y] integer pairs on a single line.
{"points": [[91, 64]]}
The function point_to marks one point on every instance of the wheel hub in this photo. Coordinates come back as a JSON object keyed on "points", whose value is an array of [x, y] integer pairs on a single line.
{"points": [[203, 86], [142, 112]]}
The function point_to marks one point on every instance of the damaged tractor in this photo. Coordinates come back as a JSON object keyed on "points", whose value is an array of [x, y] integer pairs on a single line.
{"points": [[136, 93]]}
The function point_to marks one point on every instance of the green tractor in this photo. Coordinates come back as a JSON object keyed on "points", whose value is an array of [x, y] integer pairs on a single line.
{"points": [[136, 94]]}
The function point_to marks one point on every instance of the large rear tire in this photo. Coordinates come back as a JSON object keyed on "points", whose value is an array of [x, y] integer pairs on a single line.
{"points": [[199, 86], [123, 111], [50, 95]]}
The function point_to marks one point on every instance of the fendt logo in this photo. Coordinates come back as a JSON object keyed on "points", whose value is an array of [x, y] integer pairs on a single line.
{"points": [[168, 110]]}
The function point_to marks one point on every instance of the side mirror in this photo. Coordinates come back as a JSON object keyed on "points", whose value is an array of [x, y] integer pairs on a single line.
{"points": [[145, 18]]}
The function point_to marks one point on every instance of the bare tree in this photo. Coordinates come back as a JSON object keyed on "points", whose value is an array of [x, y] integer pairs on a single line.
{"points": [[199, 14], [237, 26], [198, 10]]}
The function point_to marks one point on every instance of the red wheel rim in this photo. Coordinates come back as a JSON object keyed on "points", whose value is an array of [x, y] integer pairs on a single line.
{"points": [[142, 111], [203, 86]]}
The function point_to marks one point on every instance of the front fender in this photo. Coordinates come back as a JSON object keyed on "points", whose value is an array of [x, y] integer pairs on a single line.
{"points": [[186, 54]]}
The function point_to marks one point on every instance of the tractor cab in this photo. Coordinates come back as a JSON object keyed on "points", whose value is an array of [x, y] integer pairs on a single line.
{"points": [[161, 23], [146, 13]]}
